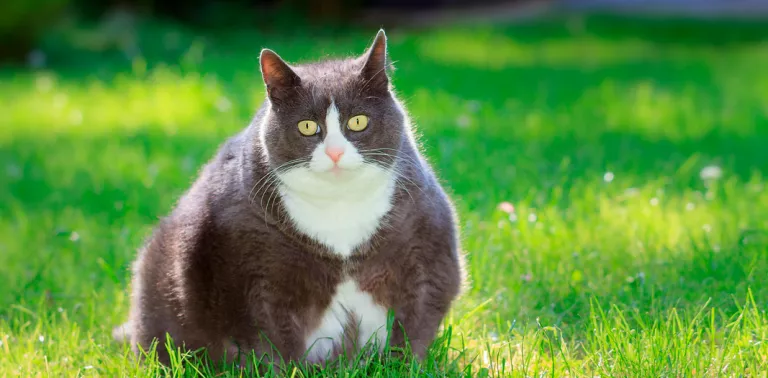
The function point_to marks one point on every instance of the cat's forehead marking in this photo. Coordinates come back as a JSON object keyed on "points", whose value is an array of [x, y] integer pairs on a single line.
{"points": [[333, 137]]}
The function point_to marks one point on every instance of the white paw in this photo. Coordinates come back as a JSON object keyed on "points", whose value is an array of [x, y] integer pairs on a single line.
{"points": [[320, 350]]}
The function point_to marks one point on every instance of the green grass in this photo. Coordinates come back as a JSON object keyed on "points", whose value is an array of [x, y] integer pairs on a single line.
{"points": [[619, 260]]}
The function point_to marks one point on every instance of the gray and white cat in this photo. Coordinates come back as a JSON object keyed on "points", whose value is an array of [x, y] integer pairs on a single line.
{"points": [[305, 229]]}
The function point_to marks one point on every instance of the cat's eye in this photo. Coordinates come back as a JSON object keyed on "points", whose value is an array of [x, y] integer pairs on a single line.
{"points": [[308, 128], [358, 123]]}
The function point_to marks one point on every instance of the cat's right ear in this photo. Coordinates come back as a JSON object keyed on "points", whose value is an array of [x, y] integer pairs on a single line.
{"points": [[278, 76]]}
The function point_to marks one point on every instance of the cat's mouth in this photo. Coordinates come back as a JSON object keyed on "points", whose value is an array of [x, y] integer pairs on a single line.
{"points": [[344, 170], [340, 172]]}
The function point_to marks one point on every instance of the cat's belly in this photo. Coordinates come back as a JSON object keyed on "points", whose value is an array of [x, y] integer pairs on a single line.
{"points": [[352, 317]]}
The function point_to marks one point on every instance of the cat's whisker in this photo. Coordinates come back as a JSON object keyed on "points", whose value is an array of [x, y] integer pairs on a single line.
{"points": [[379, 149], [261, 200], [266, 176], [395, 157], [269, 198], [426, 196], [382, 152], [251, 194], [396, 152], [401, 176], [285, 166], [271, 177], [407, 160], [274, 194], [268, 180], [407, 191]]}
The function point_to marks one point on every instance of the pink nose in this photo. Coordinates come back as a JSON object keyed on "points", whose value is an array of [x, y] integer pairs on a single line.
{"points": [[334, 153]]}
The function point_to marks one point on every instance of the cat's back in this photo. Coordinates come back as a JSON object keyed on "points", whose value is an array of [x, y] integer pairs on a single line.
{"points": [[199, 219]]}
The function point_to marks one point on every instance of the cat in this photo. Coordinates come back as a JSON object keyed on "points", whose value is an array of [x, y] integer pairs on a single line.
{"points": [[306, 229]]}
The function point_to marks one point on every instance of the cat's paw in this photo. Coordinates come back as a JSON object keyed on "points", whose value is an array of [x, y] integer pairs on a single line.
{"points": [[321, 350]]}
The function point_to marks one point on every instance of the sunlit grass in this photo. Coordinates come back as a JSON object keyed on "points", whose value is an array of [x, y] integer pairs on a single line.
{"points": [[636, 168], [162, 100]]}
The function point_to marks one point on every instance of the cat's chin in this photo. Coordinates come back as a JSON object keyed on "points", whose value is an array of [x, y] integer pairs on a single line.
{"points": [[339, 173]]}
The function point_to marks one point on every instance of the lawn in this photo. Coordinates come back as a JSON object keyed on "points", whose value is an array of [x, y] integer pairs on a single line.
{"points": [[634, 154]]}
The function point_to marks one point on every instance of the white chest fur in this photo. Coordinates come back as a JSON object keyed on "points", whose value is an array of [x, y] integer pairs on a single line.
{"points": [[341, 214], [348, 303]]}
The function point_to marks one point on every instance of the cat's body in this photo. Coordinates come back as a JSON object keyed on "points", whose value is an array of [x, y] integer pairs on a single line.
{"points": [[304, 242]]}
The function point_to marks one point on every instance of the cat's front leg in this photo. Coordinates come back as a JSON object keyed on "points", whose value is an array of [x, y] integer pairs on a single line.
{"points": [[430, 282], [276, 333]]}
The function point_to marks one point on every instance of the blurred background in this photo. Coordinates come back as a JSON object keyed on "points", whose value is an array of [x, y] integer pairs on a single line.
{"points": [[25, 24]]}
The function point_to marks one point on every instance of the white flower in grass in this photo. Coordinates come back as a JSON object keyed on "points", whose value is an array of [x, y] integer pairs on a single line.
{"points": [[608, 177], [711, 173]]}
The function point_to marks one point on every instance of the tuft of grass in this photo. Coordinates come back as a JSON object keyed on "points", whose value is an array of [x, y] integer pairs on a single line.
{"points": [[632, 151]]}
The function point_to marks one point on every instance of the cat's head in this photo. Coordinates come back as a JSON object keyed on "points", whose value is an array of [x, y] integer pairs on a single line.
{"points": [[332, 120]]}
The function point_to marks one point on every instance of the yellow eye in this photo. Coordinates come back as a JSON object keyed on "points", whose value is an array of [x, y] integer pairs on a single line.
{"points": [[308, 128], [358, 123]]}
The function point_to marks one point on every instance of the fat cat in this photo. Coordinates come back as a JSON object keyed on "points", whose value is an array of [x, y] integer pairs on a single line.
{"points": [[306, 229]]}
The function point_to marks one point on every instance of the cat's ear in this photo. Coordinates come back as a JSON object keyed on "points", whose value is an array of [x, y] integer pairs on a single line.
{"points": [[376, 63], [278, 76]]}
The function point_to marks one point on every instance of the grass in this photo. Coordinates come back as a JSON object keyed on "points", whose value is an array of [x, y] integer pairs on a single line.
{"points": [[634, 153]]}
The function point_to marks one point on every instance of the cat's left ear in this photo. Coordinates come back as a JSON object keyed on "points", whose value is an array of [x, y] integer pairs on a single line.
{"points": [[376, 63]]}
